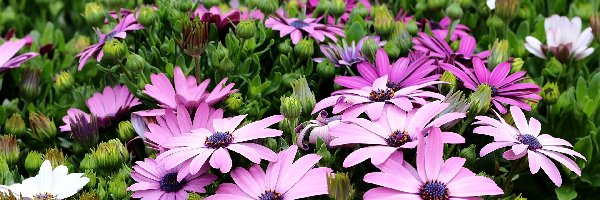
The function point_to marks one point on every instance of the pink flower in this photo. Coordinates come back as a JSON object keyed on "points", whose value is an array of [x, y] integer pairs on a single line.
{"points": [[195, 148], [9, 49], [186, 92], [438, 48], [434, 178], [222, 21], [395, 130], [172, 125], [316, 129], [298, 28], [153, 181], [284, 179], [526, 140]]}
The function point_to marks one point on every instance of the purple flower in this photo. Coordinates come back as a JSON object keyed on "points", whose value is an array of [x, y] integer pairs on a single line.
{"points": [[153, 181], [437, 48], [526, 140], [401, 74], [350, 5], [433, 178], [343, 55], [299, 28], [9, 49], [128, 23], [215, 15], [202, 145], [284, 179], [395, 130], [505, 87], [316, 129]]}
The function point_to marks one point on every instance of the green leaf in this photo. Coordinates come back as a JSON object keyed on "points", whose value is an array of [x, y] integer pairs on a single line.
{"points": [[594, 86], [584, 146], [581, 89], [523, 30], [566, 193], [355, 32]]}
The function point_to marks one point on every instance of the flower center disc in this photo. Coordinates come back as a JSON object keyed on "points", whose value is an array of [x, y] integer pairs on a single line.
{"points": [[530, 140], [218, 140], [394, 86], [169, 183], [434, 190], [270, 195], [298, 24], [381, 95], [398, 139], [44, 196]]}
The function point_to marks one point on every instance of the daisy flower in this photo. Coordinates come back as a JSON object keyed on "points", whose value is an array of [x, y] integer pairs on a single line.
{"points": [[284, 179], [433, 178], [318, 128], [526, 140], [341, 55], [50, 183], [215, 15], [394, 131], [153, 181], [505, 87], [298, 28], [202, 145], [9, 49], [564, 39], [438, 48]]}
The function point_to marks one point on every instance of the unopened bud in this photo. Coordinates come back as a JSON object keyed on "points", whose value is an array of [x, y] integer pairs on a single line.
{"points": [[369, 48], [56, 157], [507, 9], [84, 131], [553, 67], [516, 65], [304, 49], [183, 6], [42, 128], [90, 174], [111, 154], [9, 149], [118, 188], [338, 8], [450, 79], [454, 11], [401, 37], [550, 93], [499, 53], [288, 125], [383, 21], [290, 107], [89, 195], [234, 101], [360, 10], [326, 69], [285, 47], [436, 4], [147, 16], [245, 29], [94, 14], [392, 50], [87, 163], [302, 92], [33, 162], [15, 126], [323, 6], [114, 50], [268, 6], [63, 81], [126, 131], [135, 63], [495, 22], [30, 83], [412, 27], [595, 24], [481, 100], [339, 186]]}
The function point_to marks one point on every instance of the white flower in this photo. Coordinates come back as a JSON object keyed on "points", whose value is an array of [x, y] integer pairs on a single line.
{"points": [[564, 39], [50, 184], [491, 4]]}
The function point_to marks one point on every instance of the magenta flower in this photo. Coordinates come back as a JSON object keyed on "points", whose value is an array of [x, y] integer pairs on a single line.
{"points": [[128, 23], [526, 140], [341, 55], [186, 91], [438, 48], [9, 49], [284, 179], [505, 88], [401, 74], [153, 181], [299, 28], [172, 125], [215, 15], [350, 5], [434, 178], [141, 119], [315, 129], [108, 106], [394, 131], [195, 148]]}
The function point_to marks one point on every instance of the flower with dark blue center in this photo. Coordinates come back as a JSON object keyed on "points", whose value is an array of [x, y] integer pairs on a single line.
{"points": [[270, 195], [532, 142], [218, 140], [169, 183], [434, 190]]}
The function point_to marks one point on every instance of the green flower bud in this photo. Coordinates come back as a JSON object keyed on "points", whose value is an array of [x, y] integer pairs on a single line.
{"points": [[449, 78], [288, 126], [421, 6], [383, 21], [234, 102], [516, 65], [369, 48], [135, 63], [30, 83], [194, 196], [292, 8], [480, 100], [126, 131], [81, 43], [401, 37], [499, 53], [147, 16], [271, 143], [455, 45], [454, 11], [304, 49], [33, 162], [211, 3], [323, 6], [553, 68], [338, 8], [117, 188], [290, 107], [94, 14], [5, 172], [550, 93], [285, 47], [89, 195], [507, 9], [360, 10], [111, 154], [392, 50], [226, 64], [495, 22], [525, 13], [595, 24], [412, 27], [194, 37], [288, 78], [114, 50], [42, 128], [301, 91], [115, 3], [436, 4], [15, 126], [9, 149], [183, 5], [88, 162], [268, 7], [470, 154], [326, 69], [245, 29], [93, 179], [339, 186], [63, 81], [56, 157]]}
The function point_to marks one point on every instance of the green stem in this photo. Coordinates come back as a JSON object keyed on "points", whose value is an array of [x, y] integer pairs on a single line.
{"points": [[453, 24], [514, 170], [350, 71], [198, 71]]}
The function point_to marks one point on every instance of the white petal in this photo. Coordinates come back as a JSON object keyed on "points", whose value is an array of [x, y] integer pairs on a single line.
{"points": [[491, 4], [584, 54]]}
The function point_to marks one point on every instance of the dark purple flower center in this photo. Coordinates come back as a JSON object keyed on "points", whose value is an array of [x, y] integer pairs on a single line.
{"points": [[169, 183], [434, 190], [44, 196], [218, 140], [393, 86], [398, 139], [270, 195], [298, 24], [381, 95], [494, 90], [529, 140]]}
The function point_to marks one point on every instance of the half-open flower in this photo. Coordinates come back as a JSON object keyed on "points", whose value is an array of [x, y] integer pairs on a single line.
{"points": [[564, 39]]}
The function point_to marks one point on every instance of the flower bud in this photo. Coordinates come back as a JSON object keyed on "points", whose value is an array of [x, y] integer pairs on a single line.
{"points": [[480, 100], [339, 186], [595, 24], [420, 6], [117, 187], [93, 179], [338, 8], [9, 149], [94, 14], [114, 50], [147, 16], [436, 4], [234, 101], [33, 162], [288, 78], [81, 43], [56, 157], [553, 67], [412, 27], [304, 49], [469, 154], [42, 128], [550, 93], [183, 6], [194, 196], [369, 48], [454, 11], [111, 154], [211, 3], [193, 38], [290, 107], [83, 131], [226, 64], [245, 29], [268, 7], [516, 65], [30, 83], [301, 91], [271, 143], [135, 63], [87, 163], [288, 125], [401, 37], [494, 22], [499, 53], [507, 9], [115, 3], [454, 45], [323, 6], [326, 69], [15, 126], [285, 47], [383, 22], [360, 10], [5, 173], [89, 195], [449, 78], [63, 81], [126, 131], [392, 50]]}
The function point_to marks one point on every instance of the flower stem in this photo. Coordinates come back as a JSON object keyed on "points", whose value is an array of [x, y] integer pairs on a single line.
{"points": [[453, 24], [197, 70], [514, 170]]}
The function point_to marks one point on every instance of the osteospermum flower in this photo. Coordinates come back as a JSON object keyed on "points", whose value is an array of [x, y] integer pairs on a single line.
{"points": [[222, 21], [186, 91], [341, 55], [318, 128], [50, 184], [128, 23], [505, 88], [9, 49], [438, 48], [525, 140], [395, 130], [401, 74], [564, 39], [433, 178], [155, 182], [299, 28], [203, 145], [284, 179]]}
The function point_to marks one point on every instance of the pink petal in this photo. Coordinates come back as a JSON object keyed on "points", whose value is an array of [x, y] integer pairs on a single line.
{"points": [[246, 182], [382, 193], [550, 169], [534, 162], [493, 147], [568, 162], [313, 183], [473, 186], [378, 155], [520, 120], [510, 155], [382, 61], [220, 160], [434, 154], [450, 168], [393, 181], [295, 172]]}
